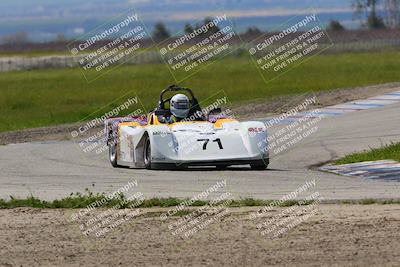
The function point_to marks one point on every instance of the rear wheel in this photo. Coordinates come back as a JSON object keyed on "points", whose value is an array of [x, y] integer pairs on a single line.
{"points": [[112, 154], [147, 153], [259, 165]]}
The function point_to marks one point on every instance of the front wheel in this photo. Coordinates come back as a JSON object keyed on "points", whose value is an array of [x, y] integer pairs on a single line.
{"points": [[222, 167], [147, 153]]}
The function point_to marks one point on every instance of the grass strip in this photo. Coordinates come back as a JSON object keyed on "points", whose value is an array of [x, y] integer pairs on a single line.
{"points": [[81, 201], [388, 151]]}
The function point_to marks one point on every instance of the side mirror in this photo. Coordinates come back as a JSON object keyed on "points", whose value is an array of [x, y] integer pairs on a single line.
{"points": [[159, 112], [215, 111], [162, 112]]}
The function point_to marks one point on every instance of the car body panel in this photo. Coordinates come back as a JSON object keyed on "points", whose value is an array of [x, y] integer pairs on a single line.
{"points": [[217, 141]]}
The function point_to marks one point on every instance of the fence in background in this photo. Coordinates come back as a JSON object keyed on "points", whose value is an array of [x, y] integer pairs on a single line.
{"points": [[19, 63]]}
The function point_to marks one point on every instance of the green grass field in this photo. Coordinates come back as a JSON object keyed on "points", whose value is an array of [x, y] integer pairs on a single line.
{"points": [[50, 97], [391, 151]]}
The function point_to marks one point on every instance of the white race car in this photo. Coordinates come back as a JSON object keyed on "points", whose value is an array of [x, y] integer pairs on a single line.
{"points": [[200, 140]]}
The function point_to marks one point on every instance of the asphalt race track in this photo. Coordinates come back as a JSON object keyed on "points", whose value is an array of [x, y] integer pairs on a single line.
{"points": [[55, 169]]}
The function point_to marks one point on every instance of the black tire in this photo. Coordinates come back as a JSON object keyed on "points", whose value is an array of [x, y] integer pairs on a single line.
{"points": [[221, 167], [259, 165], [147, 153], [112, 154]]}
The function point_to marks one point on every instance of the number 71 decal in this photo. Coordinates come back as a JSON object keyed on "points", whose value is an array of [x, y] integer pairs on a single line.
{"points": [[208, 140]]}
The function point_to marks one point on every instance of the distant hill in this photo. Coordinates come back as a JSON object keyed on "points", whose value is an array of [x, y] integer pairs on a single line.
{"points": [[45, 19]]}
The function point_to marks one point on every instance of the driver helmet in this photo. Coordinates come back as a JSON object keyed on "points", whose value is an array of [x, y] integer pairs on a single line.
{"points": [[180, 106]]}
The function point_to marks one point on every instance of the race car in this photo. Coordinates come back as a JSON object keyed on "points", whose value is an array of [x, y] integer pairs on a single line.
{"points": [[180, 134]]}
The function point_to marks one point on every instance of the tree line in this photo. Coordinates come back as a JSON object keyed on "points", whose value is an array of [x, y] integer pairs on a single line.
{"points": [[366, 11]]}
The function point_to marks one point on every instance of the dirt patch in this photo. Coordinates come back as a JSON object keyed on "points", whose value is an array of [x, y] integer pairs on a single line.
{"points": [[339, 235], [252, 110], [52, 133]]}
